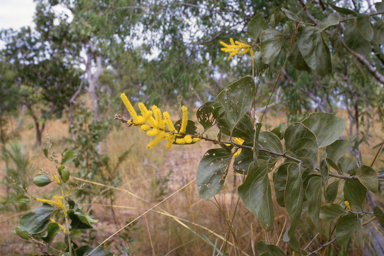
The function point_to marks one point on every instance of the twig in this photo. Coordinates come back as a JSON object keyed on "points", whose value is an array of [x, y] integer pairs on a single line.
{"points": [[305, 248], [322, 246]]}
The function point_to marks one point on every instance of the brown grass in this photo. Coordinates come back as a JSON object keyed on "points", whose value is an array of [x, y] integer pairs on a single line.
{"points": [[174, 223]]}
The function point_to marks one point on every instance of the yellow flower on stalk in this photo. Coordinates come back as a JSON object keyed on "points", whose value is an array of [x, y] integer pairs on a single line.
{"points": [[60, 226], [157, 140], [238, 141], [56, 179], [57, 203], [236, 48], [184, 121], [347, 204]]}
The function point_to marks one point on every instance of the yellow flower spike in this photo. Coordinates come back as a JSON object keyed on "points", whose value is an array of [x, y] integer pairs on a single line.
{"points": [[56, 179], [129, 107], [168, 121], [184, 121], [69, 191], [188, 139], [156, 141], [245, 51], [129, 121], [196, 139], [47, 201], [158, 119], [145, 112], [153, 132], [347, 204], [145, 127], [60, 203], [60, 226], [180, 141], [232, 42], [171, 139]]}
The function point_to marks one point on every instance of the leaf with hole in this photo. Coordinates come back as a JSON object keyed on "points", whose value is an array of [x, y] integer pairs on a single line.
{"points": [[314, 51], [236, 100], [209, 114], [271, 42], [212, 172], [256, 195]]}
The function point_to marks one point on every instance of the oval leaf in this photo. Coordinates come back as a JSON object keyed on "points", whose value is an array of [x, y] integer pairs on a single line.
{"points": [[271, 43], [345, 227], [64, 173], [296, 59], [41, 180], [354, 40], [314, 51], [256, 195], [326, 127], [364, 26], [236, 100], [337, 149], [22, 200], [341, 10], [268, 249], [280, 181], [379, 215], [378, 29], [68, 157], [255, 25], [302, 142], [368, 177], [212, 171], [332, 20], [354, 192], [331, 211], [52, 230], [331, 192], [36, 221], [313, 193]]}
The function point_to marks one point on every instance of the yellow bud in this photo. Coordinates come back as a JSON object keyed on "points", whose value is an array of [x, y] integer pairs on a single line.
{"points": [[188, 139], [145, 127], [56, 179], [129, 107], [347, 204], [69, 191], [180, 141], [196, 139]]}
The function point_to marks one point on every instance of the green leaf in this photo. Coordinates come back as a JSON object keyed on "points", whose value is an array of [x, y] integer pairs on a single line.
{"points": [[22, 200], [326, 127], [256, 144], [255, 25], [379, 6], [277, 17], [268, 249], [334, 166], [379, 215], [336, 44], [314, 51], [68, 157], [209, 114], [76, 223], [256, 195], [294, 194], [296, 59], [337, 149], [331, 211], [41, 180], [236, 99], [45, 150], [98, 252], [84, 217], [291, 15], [341, 10], [64, 173], [294, 244], [331, 192], [313, 193], [280, 181], [271, 43], [345, 227], [332, 20], [75, 233], [302, 142], [82, 249], [270, 141], [36, 221], [368, 177], [346, 164], [354, 40], [243, 160], [244, 129], [324, 169], [52, 230], [280, 130], [212, 171], [378, 29], [354, 192], [22, 234], [260, 65], [364, 26]]}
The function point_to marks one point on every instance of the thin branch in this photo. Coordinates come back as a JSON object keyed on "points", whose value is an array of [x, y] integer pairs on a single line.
{"points": [[322, 246]]}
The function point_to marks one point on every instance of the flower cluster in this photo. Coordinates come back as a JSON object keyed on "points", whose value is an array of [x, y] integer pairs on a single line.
{"points": [[155, 124], [237, 48], [57, 203]]}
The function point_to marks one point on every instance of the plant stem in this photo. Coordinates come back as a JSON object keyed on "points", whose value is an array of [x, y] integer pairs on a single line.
{"points": [[66, 221]]}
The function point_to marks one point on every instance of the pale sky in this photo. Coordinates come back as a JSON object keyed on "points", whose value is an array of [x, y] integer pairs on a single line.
{"points": [[16, 13]]}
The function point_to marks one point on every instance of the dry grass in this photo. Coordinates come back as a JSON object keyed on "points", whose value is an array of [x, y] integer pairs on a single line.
{"points": [[177, 225]]}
